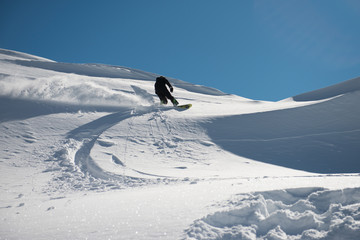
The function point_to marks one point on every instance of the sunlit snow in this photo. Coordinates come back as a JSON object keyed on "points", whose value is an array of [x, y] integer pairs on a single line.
{"points": [[87, 152]]}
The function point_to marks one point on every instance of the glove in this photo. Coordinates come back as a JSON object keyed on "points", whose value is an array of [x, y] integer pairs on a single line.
{"points": [[171, 89]]}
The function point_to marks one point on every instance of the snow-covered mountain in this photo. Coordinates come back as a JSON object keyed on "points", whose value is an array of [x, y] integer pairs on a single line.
{"points": [[87, 152]]}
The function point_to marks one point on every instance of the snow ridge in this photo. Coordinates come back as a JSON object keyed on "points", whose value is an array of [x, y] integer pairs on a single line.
{"points": [[349, 86]]}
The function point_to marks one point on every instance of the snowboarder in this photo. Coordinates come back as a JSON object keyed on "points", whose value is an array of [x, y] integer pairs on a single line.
{"points": [[162, 91]]}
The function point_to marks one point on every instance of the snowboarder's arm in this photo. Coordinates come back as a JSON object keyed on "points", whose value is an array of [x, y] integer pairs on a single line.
{"points": [[168, 83]]}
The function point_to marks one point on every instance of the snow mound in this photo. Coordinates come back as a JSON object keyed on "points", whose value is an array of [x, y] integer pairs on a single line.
{"points": [[305, 213], [321, 138], [95, 70], [349, 86], [68, 89]]}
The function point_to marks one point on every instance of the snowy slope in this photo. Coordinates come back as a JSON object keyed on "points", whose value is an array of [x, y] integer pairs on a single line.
{"points": [[87, 152]]}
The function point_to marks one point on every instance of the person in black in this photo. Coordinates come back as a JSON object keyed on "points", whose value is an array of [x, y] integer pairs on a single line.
{"points": [[162, 91]]}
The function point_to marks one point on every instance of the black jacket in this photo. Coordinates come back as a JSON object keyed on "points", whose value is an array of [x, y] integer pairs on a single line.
{"points": [[160, 85]]}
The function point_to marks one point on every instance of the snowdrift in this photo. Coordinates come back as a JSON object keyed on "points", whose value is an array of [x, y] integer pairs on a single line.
{"points": [[346, 87], [322, 137], [284, 214], [88, 152]]}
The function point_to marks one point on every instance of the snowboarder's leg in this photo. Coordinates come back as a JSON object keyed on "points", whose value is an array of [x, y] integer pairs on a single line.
{"points": [[171, 98], [162, 98]]}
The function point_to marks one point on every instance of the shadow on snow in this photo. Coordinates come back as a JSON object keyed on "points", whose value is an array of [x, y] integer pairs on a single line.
{"points": [[321, 138]]}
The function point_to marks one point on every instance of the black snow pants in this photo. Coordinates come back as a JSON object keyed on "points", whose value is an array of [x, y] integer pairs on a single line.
{"points": [[164, 94]]}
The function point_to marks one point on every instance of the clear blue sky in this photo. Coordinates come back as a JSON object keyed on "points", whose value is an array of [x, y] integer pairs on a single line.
{"points": [[261, 49]]}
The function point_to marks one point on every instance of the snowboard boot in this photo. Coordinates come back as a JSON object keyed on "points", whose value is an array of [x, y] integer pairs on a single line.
{"points": [[174, 102], [164, 101]]}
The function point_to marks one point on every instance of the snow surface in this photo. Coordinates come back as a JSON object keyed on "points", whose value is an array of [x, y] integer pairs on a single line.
{"points": [[87, 152]]}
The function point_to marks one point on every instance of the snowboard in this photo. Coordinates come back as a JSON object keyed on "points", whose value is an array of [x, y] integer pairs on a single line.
{"points": [[185, 106]]}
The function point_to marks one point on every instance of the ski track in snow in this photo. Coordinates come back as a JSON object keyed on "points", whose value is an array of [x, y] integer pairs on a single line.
{"points": [[90, 175], [76, 135]]}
